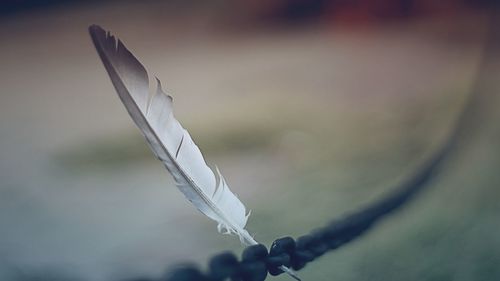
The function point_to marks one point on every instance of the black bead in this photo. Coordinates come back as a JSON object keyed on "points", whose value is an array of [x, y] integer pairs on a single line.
{"points": [[282, 245], [303, 242], [223, 266], [302, 255], [254, 253], [319, 248], [279, 255]]}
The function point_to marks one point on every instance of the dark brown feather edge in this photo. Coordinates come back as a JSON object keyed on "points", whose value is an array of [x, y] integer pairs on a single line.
{"points": [[112, 53]]}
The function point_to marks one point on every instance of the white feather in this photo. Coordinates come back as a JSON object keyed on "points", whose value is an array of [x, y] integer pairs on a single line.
{"points": [[168, 140]]}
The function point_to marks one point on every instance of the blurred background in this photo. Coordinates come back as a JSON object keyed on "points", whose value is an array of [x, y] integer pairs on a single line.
{"points": [[310, 108]]}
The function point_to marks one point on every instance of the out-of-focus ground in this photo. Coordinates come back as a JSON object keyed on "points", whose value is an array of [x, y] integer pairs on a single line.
{"points": [[306, 122]]}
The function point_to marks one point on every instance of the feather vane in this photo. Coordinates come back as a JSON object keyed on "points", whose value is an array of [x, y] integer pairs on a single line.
{"points": [[168, 140]]}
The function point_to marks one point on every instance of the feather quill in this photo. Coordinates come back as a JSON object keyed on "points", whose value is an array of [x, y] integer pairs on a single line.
{"points": [[169, 141]]}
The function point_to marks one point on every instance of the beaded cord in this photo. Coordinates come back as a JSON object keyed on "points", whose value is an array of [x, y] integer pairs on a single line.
{"points": [[257, 262]]}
